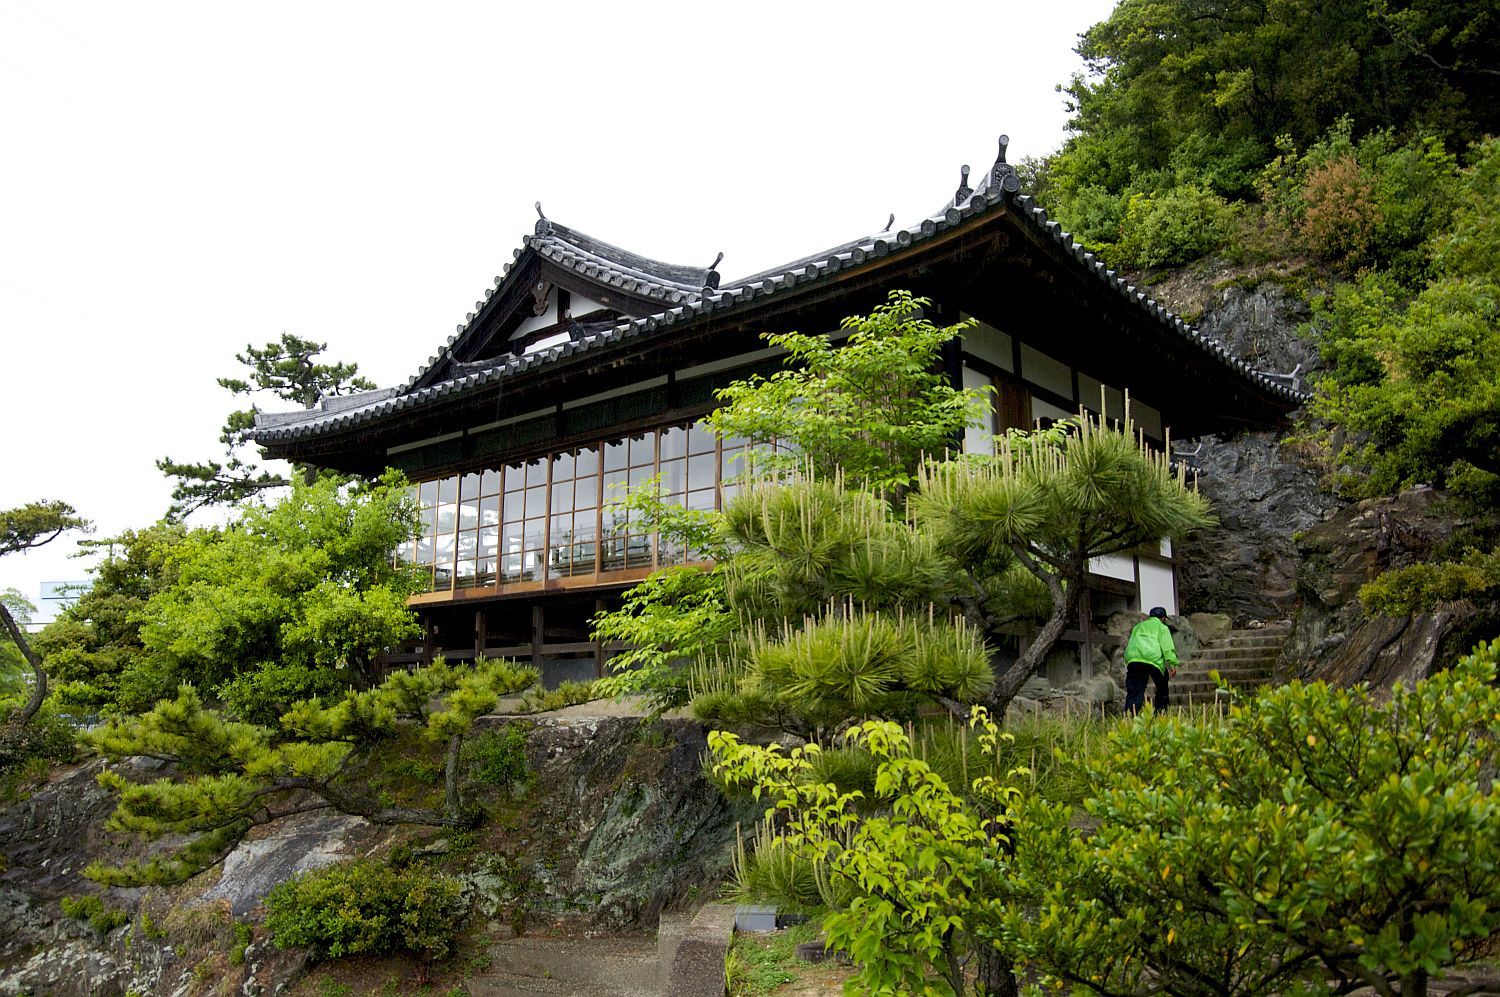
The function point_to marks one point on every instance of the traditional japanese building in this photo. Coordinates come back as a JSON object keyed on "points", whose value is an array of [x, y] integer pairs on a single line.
{"points": [[587, 366]]}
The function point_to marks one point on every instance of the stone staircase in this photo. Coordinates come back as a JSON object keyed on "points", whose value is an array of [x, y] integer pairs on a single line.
{"points": [[1244, 659]]}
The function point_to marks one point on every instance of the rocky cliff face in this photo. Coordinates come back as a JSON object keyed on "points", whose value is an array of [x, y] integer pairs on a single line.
{"points": [[1263, 492], [617, 824], [1258, 311]]}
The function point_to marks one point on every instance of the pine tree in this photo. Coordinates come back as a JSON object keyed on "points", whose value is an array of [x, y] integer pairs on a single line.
{"points": [[286, 368], [232, 776]]}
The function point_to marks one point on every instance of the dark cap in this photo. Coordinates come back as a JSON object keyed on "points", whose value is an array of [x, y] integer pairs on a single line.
{"points": [[1159, 612]]}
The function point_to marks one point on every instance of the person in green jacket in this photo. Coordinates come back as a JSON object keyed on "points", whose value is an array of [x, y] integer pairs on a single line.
{"points": [[1150, 655]]}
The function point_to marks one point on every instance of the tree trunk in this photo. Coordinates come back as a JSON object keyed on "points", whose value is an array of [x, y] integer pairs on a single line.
{"points": [[450, 776], [1008, 683], [996, 974], [39, 687], [356, 807]]}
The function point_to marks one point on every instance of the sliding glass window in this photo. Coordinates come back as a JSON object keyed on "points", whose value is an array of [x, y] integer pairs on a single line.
{"points": [[549, 518]]}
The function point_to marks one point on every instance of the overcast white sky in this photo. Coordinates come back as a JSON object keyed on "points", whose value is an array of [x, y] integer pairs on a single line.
{"points": [[179, 179]]}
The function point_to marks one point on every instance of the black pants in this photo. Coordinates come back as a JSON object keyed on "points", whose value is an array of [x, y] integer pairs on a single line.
{"points": [[1137, 674]]}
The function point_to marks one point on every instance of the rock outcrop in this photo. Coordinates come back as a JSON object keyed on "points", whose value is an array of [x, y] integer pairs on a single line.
{"points": [[617, 823], [1333, 638], [1262, 491], [1263, 496]]}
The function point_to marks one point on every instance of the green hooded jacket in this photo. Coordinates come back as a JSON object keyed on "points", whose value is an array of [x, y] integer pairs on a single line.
{"points": [[1151, 642]]}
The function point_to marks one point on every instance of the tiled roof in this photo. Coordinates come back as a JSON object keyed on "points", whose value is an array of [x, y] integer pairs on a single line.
{"points": [[669, 284]]}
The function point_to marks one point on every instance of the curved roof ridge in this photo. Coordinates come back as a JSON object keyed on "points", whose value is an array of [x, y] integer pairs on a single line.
{"points": [[677, 275]]}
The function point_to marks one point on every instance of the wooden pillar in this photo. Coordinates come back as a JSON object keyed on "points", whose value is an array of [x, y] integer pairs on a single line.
{"points": [[481, 635], [537, 636], [598, 644], [427, 638]]}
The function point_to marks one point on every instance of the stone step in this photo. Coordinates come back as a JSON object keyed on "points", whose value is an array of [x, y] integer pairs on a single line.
{"points": [[1200, 664], [1235, 654], [1232, 676], [1197, 687], [587, 967], [1256, 635], [1247, 642]]}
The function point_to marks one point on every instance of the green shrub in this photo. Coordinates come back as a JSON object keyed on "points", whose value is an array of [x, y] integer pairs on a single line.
{"points": [[365, 906], [263, 695], [1313, 832], [47, 738], [1170, 227], [92, 909], [1366, 202], [1340, 214], [774, 873], [1094, 215], [498, 757], [243, 935]]}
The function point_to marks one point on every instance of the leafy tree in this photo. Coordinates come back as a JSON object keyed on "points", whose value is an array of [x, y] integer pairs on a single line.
{"points": [[231, 776], [26, 528], [93, 649], [287, 369], [863, 411], [917, 889], [997, 542], [1185, 86], [1183, 103], [1052, 503], [1315, 840], [868, 408], [291, 600], [1358, 202], [1315, 834]]}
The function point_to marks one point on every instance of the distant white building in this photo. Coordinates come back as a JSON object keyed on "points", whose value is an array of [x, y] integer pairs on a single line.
{"points": [[53, 598]]}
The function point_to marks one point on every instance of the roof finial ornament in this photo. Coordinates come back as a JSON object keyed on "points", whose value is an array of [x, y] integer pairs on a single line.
{"points": [[964, 190], [889, 222], [543, 223], [1003, 176], [711, 275], [542, 215]]}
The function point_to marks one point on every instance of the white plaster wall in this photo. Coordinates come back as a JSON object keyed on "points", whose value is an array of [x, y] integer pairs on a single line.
{"points": [[979, 436]]}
